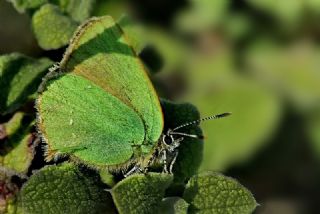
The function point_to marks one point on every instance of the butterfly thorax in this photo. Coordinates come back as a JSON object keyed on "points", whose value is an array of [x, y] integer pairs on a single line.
{"points": [[164, 154]]}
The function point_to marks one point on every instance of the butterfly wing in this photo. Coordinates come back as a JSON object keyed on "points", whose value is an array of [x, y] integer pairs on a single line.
{"points": [[103, 108], [79, 118], [100, 52]]}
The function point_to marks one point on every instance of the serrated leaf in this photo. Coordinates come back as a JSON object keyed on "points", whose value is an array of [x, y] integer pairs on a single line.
{"points": [[24, 5], [18, 149], [78, 10], [64, 189], [20, 77], [134, 33], [190, 150], [140, 193], [215, 193], [52, 28], [173, 205]]}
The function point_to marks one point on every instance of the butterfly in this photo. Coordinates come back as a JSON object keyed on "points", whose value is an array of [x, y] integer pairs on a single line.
{"points": [[99, 106]]}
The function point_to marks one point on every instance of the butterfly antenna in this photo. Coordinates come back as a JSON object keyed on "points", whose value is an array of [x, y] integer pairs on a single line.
{"points": [[213, 117]]}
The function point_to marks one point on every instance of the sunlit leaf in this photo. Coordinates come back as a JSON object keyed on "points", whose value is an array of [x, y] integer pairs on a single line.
{"points": [[203, 15], [134, 32], [215, 87], [78, 10], [114, 8], [233, 140], [52, 28], [291, 71], [18, 147]]}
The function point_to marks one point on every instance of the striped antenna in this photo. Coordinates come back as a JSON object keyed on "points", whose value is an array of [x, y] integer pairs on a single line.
{"points": [[213, 117]]}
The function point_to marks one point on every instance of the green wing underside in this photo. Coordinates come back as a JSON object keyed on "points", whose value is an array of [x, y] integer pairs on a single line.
{"points": [[103, 108], [101, 53], [81, 119]]}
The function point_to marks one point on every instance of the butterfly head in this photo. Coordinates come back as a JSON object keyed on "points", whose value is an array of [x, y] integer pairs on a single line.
{"points": [[167, 149], [172, 138]]}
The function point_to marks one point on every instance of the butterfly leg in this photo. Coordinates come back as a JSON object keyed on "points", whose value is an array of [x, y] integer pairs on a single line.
{"points": [[173, 161], [174, 151], [164, 158], [133, 170]]}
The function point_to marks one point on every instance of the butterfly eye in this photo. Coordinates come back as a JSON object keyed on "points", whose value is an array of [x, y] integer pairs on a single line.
{"points": [[167, 139]]}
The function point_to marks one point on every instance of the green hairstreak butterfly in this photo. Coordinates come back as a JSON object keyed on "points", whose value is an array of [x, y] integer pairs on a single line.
{"points": [[100, 107]]}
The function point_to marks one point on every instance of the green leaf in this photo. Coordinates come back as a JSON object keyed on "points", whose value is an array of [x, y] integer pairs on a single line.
{"points": [[215, 193], [314, 5], [54, 21], [64, 189], [238, 26], [190, 150], [18, 149], [203, 15], [20, 77], [112, 8], [297, 82], [287, 11], [134, 33], [215, 87], [171, 49], [233, 140], [24, 5], [173, 205], [78, 10], [140, 193], [52, 28]]}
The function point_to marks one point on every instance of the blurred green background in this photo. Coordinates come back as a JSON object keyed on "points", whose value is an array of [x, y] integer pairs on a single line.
{"points": [[259, 59]]}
